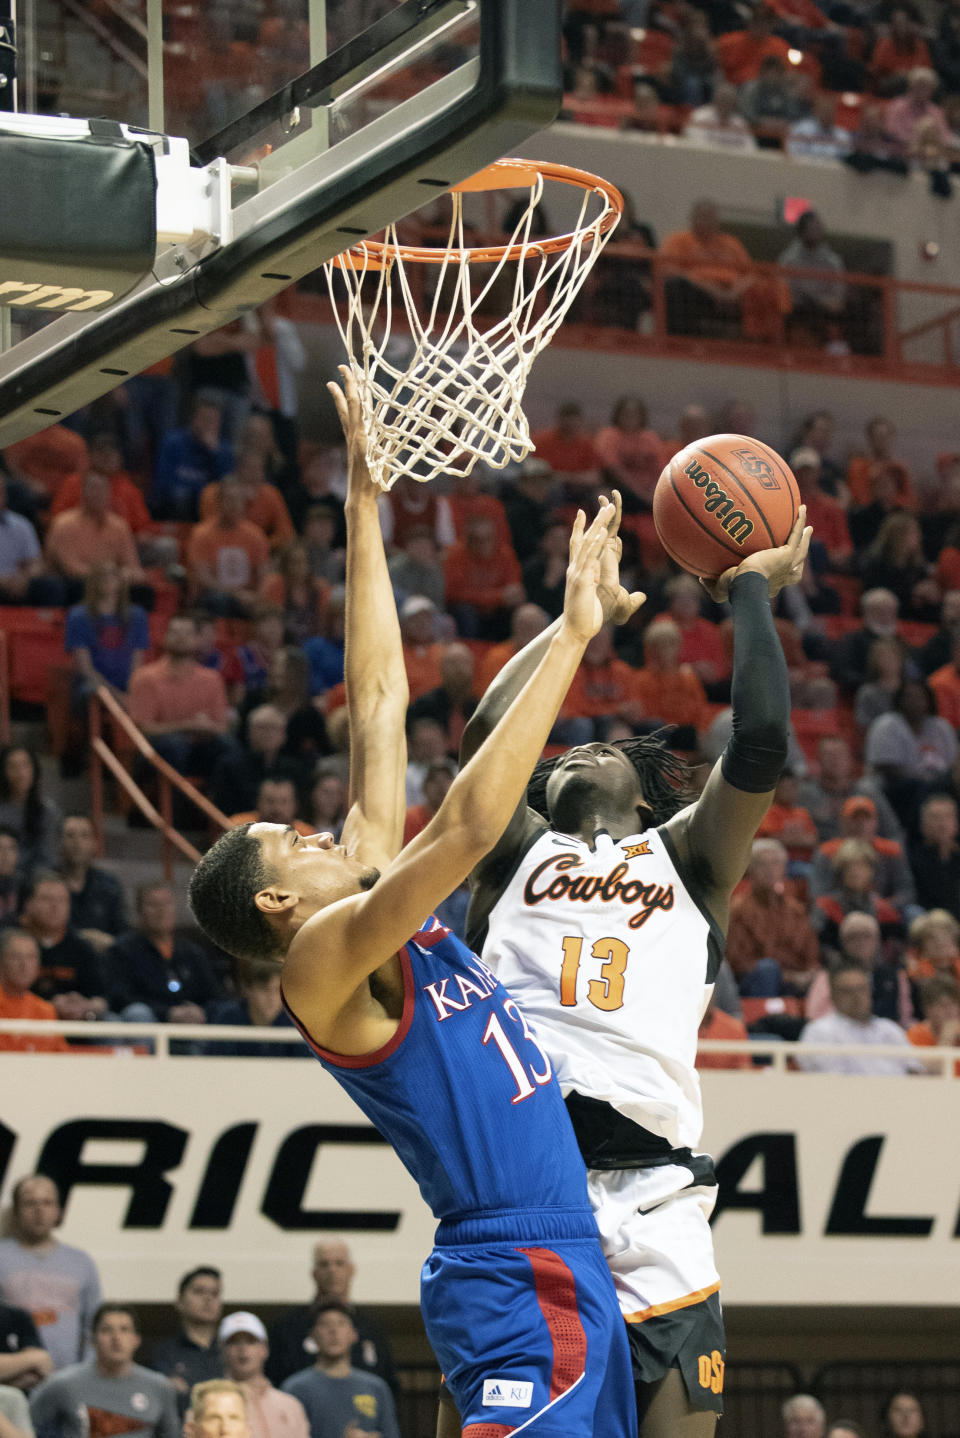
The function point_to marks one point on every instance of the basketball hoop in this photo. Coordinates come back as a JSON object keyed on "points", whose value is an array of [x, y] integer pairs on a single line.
{"points": [[457, 397]]}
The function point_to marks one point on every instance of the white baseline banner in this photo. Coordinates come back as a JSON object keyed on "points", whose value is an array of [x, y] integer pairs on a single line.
{"points": [[836, 1189]]}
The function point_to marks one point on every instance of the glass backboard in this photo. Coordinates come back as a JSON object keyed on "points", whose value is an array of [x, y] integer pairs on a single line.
{"points": [[310, 124]]}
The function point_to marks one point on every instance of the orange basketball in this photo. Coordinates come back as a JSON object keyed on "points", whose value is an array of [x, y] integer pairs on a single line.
{"points": [[721, 499]]}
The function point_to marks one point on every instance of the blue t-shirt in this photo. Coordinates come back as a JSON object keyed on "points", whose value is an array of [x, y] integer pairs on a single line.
{"points": [[111, 640], [325, 658], [332, 1404]]}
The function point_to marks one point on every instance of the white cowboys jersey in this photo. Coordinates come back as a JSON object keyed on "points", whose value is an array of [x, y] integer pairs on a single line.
{"points": [[614, 961]]}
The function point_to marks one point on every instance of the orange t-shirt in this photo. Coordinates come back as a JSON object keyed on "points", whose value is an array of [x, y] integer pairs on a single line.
{"points": [[889, 58], [948, 567], [273, 590], [235, 555], [463, 507], [677, 698], [945, 683], [480, 579], [48, 457], [920, 969], [778, 816], [639, 455], [422, 663], [267, 510], [829, 520], [492, 662], [125, 499], [741, 55], [721, 260], [28, 1006], [599, 689], [723, 1026], [76, 543], [923, 1036], [417, 818], [566, 456], [161, 695], [861, 470]]}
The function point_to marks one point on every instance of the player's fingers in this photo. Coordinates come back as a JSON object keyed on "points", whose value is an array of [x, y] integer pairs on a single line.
{"points": [[597, 535], [336, 394], [576, 536], [618, 507], [634, 602], [796, 533]]}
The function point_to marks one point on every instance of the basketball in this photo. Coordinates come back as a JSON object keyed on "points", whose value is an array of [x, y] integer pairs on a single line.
{"points": [[721, 499]]}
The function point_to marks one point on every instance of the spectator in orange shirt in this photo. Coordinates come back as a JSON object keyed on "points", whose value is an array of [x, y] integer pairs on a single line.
{"points": [[466, 499], [181, 705], [483, 581], [715, 1024], [630, 452], [263, 503], [276, 804], [742, 52], [896, 53], [893, 879], [668, 690], [46, 459], [791, 823], [711, 282], [422, 651], [19, 971], [827, 516], [771, 945], [881, 437], [603, 688], [701, 644], [453, 700], [437, 780], [125, 498], [945, 684], [227, 555], [90, 535], [297, 592], [569, 449], [527, 621], [940, 1027]]}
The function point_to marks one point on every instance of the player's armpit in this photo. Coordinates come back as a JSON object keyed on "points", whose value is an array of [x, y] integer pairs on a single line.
{"points": [[713, 838]]}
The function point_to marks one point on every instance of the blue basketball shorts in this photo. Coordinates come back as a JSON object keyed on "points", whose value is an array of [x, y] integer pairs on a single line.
{"points": [[527, 1330]]}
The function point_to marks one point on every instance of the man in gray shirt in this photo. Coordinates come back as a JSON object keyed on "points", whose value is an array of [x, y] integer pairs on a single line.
{"points": [[110, 1394], [57, 1284], [341, 1402]]}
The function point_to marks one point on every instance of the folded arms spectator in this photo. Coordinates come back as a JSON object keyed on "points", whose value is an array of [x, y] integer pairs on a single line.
{"points": [[154, 975], [97, 906]]}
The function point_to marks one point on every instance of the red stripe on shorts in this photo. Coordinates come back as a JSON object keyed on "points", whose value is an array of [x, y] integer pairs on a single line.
{"points": [[557, 1297], [487, 1430]]}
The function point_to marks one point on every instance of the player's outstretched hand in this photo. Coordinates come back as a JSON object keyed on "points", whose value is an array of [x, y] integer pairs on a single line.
{"points": [[617, 603], [780, 566], [582, 610], [350, 414]]}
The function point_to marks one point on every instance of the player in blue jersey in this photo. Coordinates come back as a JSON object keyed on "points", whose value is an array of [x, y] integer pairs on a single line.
{"points": [[517, 1297]]}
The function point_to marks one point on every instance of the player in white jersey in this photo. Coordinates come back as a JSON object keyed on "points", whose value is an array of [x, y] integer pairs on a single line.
{"points": [[604, 909]]}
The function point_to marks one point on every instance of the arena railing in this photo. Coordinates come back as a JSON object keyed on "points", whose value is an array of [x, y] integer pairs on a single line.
{"points": [[102, 703], [890, 328], [776, 1054]]}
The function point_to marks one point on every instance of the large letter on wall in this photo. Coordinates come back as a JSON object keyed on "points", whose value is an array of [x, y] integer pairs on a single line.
{"points": [[150, 1192], [778, 1200]]}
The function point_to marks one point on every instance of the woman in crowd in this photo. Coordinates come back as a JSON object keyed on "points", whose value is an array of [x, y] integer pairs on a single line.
{"points": [[300, 595], [631, 453], [25, 811], [895, 561], [106, 634], [902, 1417], [886, 662], [854, 892], [911, 749], [934, 947]]}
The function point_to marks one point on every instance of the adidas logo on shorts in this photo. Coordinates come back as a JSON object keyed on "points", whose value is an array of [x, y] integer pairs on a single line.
{"points": [[502, 1393]]}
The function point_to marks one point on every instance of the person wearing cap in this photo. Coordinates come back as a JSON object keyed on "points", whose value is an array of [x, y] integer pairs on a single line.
{"points": [[422, 653], [893, 879], [827, 515], [270, 1413]]}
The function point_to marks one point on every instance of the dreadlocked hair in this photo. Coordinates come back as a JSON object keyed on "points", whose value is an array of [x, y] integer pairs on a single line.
{"points": [[665, 780]]}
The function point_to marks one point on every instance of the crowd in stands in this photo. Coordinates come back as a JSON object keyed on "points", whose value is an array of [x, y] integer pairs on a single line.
{"points": [[232, 665], [69, 1359], [871, 85]]}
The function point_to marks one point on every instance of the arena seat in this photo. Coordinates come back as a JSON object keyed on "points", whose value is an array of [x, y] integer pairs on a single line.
{"points": [[35, 643]]}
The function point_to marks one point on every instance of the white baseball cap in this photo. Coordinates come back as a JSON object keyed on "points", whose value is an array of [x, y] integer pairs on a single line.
{"points": [[247, 1323]]}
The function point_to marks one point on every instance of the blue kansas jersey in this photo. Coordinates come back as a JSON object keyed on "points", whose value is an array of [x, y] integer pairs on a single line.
{"points": [[463, 1091]]}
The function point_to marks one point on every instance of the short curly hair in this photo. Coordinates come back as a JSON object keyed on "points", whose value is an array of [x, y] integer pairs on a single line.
{"points": [[222, 893]]}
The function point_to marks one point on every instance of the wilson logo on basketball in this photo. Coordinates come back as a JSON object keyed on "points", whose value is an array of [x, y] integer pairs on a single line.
{"points": [[758, 468], [717, 502]]}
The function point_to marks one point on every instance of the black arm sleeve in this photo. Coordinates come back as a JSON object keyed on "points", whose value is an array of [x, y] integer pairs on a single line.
{"points": [[754, 758]]}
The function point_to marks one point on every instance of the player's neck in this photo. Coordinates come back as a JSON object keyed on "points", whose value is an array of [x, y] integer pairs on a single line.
{"points": [[618, 824]]}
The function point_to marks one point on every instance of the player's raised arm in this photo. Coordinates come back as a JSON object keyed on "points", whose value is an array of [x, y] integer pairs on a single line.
{"points": [[376, 679], [714, 836], [361, 933], [617, 605]]}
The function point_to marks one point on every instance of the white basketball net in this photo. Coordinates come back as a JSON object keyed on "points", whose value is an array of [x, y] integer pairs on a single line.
{"points": [[457, 397]]}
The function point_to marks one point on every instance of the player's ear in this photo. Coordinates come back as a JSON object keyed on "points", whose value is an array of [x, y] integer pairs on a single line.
{"points": [[275, 901]]}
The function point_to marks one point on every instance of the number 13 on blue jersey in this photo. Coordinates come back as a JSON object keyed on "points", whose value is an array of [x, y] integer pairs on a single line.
{"points": [[522, 1075]]}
